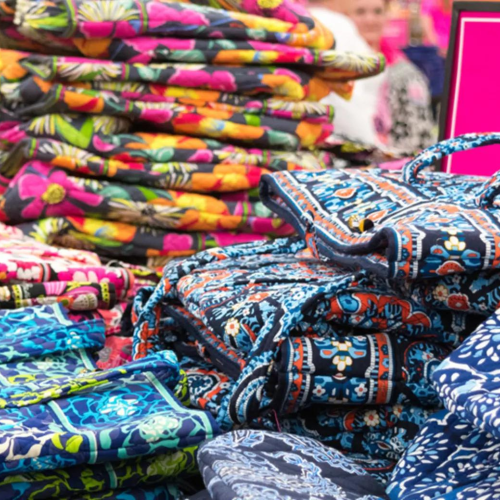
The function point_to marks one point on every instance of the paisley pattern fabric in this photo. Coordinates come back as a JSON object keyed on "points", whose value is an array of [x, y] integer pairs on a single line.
{"points": [[256, 464], [207, 385], [243, 307], [477, 293], [380, 432], [456, 453], [370, 369], [379, 468], [408, 226]]}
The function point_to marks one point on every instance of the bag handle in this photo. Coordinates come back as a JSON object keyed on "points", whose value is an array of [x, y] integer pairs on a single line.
{"points": [[445, 148], [489, 191]]}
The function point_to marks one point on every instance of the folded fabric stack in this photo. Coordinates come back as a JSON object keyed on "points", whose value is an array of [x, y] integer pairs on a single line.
{"points": [[68, 430], [122, 139], [335, 334], [33, 273]]}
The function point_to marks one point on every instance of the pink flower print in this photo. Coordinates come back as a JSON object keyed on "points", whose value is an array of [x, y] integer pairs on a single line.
{"points": [[100, 145], [108, 29], [177, 242], [177, 43], [86, 276], [217, 34], [145, 47], [50, 194], [157, 115], [218, 80], [96, 30], [55, 288], [184, 78], [287, 72], [226, 239], [202, 156], [159, 13], [223, 80]]}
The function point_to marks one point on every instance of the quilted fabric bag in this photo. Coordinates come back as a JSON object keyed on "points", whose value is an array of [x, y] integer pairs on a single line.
{"points": [[411, 225]]}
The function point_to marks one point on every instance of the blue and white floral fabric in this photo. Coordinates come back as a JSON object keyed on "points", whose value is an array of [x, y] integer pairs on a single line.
{"points": [[457, 453], [254, 465]]}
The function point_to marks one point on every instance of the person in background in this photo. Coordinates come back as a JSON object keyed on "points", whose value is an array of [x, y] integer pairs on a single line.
{"points": [[403, 119]]}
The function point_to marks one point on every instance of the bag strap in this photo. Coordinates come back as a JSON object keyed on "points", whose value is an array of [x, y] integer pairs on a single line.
{"points": [[444, 148], [489, 191]]}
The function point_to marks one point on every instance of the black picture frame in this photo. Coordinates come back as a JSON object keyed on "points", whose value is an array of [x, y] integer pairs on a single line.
{"points": [[458, 8]]}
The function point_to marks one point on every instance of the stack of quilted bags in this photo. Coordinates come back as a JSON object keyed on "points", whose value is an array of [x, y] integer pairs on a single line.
{"points": [[78, 419], [70, 431], [140, 130], [335, 334], [36, 274]]}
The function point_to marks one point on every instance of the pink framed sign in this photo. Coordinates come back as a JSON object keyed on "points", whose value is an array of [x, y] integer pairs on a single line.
{"points": [[471, 99]]}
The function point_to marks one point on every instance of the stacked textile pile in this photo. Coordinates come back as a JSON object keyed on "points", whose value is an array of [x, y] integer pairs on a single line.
{"points": [[335, 334], [33, 273], [70, 431], [141, 145]]}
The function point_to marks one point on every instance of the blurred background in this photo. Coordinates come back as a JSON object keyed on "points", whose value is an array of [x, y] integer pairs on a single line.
{"points": [[399, 109]]}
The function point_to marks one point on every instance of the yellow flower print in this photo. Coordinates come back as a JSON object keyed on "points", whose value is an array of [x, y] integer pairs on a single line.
{"points": [[397, 410], [371, 418], [454, 244], [342, 361], [232, 327], [441, 293]]}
